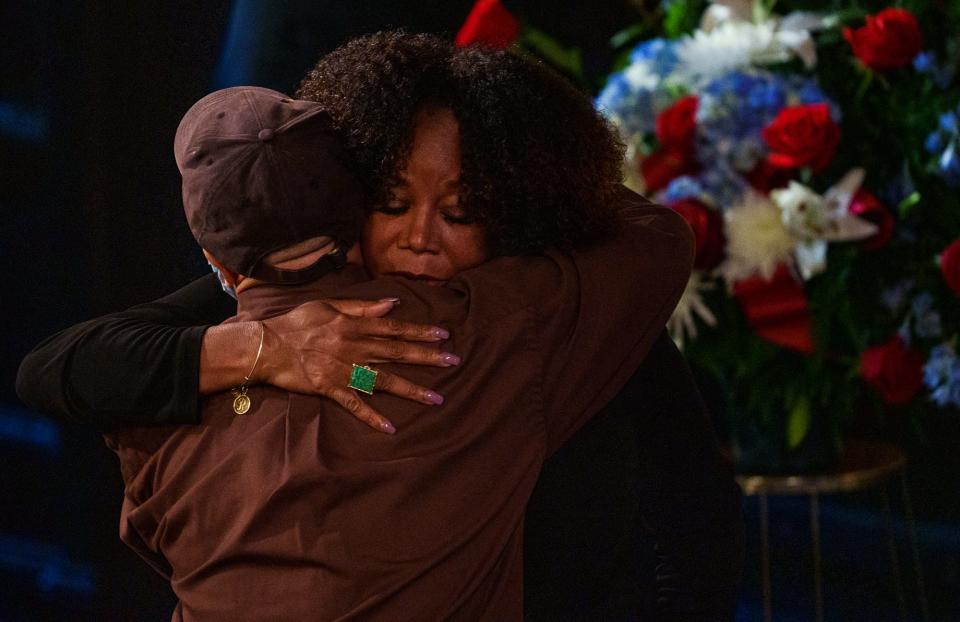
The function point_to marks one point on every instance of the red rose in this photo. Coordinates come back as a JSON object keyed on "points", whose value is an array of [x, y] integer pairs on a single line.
{"points": [[677, 125], [766, 177], [489, 24], [869, 208], [950, 266], [801, 136], [890, 40], [893, 369], [676, 129], [707, 228], [662, 167]]}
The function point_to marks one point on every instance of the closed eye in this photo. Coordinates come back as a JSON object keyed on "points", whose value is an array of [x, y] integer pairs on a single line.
{"points": [[459, 219], [392, 209]]}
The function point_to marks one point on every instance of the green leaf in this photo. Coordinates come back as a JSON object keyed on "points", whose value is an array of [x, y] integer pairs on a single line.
{"points": [[569, 60], [865, 81], [681, 18], [761, 10], [628, 35], [799, 423], [908, 203]]}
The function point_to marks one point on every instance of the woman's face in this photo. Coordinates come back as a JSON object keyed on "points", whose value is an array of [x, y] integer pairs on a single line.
{"points": [[422, 232]]}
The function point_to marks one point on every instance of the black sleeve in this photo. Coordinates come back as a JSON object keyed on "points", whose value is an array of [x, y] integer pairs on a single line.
{"points": [[689, 499], [637, 514], [133, 368]]}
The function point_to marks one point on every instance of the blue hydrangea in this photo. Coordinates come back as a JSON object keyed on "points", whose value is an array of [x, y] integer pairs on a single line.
{"points": [[944, 143], [683, 187], [941, 374], [926, 319], [924, 61], [633, 97], [927, 62], [660, 53], [896, 296], [948, 122]]}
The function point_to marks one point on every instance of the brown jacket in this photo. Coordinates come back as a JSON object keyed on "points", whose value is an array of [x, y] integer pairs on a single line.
{"points": [[296, 511]]}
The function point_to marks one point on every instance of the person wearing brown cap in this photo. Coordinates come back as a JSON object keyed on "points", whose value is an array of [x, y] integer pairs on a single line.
{"points": [[280, 506], [263, 173]]}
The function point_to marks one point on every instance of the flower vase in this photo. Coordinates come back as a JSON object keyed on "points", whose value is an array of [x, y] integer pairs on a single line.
{"points": [[767, 446]]}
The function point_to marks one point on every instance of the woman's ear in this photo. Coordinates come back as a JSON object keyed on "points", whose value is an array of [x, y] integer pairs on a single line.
{"points": [[232, 278]]}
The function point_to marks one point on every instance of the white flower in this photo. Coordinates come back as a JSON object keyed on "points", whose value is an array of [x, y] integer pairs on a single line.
{"points": [[844, 225], [734, 35], [815, 220], [757, 240], [794, 32], [730, 46], [682, 324], [811, 258], [800, 43], [722, 11], [803, 211], [810, 216], [640, 77]]}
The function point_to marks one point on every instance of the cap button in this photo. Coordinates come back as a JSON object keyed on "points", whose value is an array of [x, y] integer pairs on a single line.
{"points": [[265, 134]]}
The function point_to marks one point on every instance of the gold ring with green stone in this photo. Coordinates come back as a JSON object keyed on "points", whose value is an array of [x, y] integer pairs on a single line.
{"points": [[362, 378]]}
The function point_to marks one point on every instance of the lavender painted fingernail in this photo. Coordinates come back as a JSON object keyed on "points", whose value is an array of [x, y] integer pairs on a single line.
{"points": [[388, 427], [433, 398], [395, 301], [450, 359], [441, 333]]}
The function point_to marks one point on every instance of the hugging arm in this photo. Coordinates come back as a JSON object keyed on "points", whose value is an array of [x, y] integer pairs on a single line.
{"points": [[150, 364], [132, 368], [617, 300]]}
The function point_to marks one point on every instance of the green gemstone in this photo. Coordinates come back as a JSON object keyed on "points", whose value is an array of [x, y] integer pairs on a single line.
{"points": [[363, 379]]}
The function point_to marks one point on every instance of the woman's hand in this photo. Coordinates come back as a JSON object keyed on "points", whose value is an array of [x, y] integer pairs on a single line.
{"points": [[312, 348]]}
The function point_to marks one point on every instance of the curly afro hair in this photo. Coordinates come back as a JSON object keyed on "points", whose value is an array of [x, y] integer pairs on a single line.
{"points": [[540, 167]]}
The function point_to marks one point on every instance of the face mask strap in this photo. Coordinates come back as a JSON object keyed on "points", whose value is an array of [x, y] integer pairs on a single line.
{"points": [[229, 289]]}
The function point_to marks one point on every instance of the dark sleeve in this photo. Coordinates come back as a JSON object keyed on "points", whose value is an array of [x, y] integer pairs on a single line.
{"points": [[133, 368], [636, 513], [688, 497]]}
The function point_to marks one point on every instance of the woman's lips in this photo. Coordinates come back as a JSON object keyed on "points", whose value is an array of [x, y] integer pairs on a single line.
{"points": [[426, 278]]}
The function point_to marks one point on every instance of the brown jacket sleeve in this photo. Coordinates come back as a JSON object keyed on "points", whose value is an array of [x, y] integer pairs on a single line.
{"points": [[605, 311]]}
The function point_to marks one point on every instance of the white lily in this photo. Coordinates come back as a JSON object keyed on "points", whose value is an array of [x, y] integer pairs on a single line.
{"points": [[682, 324], [815, 220]]}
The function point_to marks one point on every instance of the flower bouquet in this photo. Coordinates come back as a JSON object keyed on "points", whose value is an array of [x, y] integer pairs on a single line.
{"points": [[815, 153]]}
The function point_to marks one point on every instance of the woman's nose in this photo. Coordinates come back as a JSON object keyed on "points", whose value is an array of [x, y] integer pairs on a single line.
{"points": [[420, 232]]}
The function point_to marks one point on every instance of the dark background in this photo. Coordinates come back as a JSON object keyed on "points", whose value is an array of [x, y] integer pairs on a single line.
{"points": [[90, 97]]}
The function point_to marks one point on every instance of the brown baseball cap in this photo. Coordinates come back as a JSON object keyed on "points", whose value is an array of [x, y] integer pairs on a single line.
{"points": [[261, 172]]}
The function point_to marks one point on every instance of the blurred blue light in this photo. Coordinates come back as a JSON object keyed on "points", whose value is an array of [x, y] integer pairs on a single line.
{"points": [[241, 41], [27, 124], [51, 568], [22, 426]]}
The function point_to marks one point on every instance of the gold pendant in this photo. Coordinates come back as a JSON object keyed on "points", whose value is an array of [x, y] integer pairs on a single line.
{"points": [[241, 403]]}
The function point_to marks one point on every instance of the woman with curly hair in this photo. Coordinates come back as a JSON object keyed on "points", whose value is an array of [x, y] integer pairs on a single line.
{"points": [[465, 155]]}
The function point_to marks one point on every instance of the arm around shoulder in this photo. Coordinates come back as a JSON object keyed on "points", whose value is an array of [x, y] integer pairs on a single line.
{"points": [[610, 305], [135, 367]]}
